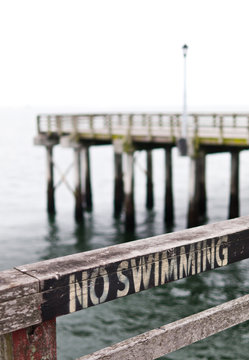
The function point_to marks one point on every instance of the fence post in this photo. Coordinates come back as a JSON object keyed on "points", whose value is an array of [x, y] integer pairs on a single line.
{"points": [[32, 343]]}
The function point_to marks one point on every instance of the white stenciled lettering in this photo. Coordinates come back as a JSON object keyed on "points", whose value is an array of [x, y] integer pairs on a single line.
{"points": [[123, 279], [198, 257], [72, 302], [93, 296], [187, 263], [208, 255], [168, 267], [224, 260], [156, 269], [78, 292], [136, 274], [183, 262], [147, 270]]}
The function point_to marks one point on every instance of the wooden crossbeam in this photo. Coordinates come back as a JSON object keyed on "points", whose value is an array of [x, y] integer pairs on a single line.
{"points": [[174, 336], [63, 178]]}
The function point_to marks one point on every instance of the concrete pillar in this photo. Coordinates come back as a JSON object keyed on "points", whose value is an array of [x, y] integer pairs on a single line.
{"points": [[169, 201], [118, 184], [129, 191], [234, 185], [86, 188], [50, 181], [149, 184], [78, 195]]}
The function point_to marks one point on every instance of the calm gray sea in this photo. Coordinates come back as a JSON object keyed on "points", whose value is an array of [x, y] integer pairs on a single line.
{"points": [[28, 235]]}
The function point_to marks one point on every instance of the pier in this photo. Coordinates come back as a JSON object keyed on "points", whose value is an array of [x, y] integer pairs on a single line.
{"points": [[128, 133], [32, 296]]}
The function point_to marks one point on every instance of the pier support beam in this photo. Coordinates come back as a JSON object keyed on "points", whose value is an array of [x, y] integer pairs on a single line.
{"points": [[86, 187], [169, 201], [78, 194], [197, 190], [129, 191], [149, 184], [234, 185], [50, 181]]}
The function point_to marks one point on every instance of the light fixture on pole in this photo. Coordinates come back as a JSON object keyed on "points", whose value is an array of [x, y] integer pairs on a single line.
{"points": [[182, 142]]}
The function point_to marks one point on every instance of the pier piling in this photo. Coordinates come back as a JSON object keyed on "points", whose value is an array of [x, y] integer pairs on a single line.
{"points": [[194, 193], [118, 177], [197, 189], [169, 202], [202, 185], [129, 191], [78, 194], [118, 184], [50, 181], [86, 188], [234, 185], [149, 184]]}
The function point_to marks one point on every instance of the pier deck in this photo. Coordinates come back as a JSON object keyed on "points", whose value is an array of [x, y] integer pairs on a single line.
{"points": [[161, 129], [206, 133]]}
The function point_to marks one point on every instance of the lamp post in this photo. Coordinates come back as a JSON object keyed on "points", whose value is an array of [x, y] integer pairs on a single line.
{"points": [[182, 142]]}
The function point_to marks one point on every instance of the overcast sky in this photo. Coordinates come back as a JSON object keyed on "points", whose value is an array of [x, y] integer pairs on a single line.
{"points": [[121, 54]]}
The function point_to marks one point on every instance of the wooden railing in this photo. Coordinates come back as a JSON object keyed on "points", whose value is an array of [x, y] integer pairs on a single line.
{"points": [[216, 125], [32, 296]]}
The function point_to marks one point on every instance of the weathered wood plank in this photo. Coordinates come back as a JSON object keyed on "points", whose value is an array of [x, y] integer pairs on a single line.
{"points": [[82, 280], [15, 284], [20, 313], [174, 336], [78, 281]]}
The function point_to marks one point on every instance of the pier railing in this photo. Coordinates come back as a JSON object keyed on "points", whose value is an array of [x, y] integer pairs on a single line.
{"points": [[217, 125], [32, 296]]}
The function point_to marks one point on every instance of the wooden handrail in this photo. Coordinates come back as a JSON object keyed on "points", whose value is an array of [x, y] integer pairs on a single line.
{"points": [[36, 293], [133, 120]]}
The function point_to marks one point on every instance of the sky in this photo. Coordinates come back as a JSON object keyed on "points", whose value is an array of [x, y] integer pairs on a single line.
{"points": [[117, 54]]}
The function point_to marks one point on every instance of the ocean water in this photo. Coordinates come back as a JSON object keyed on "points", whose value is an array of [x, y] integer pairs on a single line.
{"points": [[28, 234]]}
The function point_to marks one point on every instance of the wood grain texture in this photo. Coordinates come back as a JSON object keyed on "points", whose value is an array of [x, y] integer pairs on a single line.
{"points": [[15, 284], [20, 313]]}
